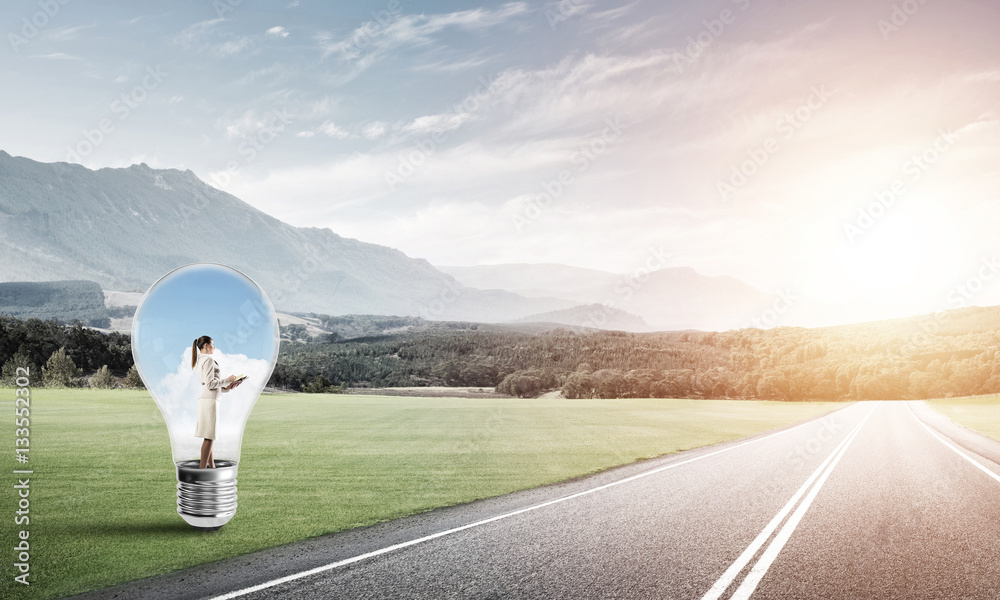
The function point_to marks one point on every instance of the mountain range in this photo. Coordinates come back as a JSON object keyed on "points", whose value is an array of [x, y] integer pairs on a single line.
{"points": [[124, 228], [664, 299]]}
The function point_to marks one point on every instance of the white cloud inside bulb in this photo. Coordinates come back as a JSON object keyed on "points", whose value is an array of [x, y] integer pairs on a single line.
{"points": [[177, 396]]}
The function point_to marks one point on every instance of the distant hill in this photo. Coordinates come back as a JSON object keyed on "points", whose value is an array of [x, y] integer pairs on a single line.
{"points": [[64, 301], [333, 328], [594, 316], [582, 286], [667, 299], [125, 228]]}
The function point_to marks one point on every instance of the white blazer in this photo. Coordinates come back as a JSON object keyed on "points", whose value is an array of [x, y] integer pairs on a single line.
{"points": [[208, 374]]}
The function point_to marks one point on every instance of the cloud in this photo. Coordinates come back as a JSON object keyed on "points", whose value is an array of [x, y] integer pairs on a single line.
{"points": [[134, 20], [305, 134], [374, 130], [330, 129], [522, 127], [561, 10], [56, 56], [277, 32], [319, 108], [234, 46], [612, 13], [250, 125], [67, 33], [193, 34], [991, 76], [275, 73], [441, 123], [367, 44], [205, 36], [451, 67]]}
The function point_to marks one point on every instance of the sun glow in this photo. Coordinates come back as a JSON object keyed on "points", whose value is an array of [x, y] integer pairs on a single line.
{"points": [[907, 249], [888, 255]]}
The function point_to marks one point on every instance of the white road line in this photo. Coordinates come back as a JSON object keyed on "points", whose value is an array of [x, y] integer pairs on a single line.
{"points": [[400, 546], [734, 569], [946, 443], [759, 569]]}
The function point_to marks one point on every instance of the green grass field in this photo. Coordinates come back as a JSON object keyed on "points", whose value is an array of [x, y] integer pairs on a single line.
{"points": [[979, 413], [103, 494]]}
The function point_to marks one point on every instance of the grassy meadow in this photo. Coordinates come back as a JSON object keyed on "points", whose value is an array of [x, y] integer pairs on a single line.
{"points": [[979, 413], [103, 497]]}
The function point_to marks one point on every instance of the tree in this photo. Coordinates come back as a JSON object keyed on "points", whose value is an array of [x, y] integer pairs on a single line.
{"points": [[773, 385], [132, 378], [449, 372], [610, 384], [60, 370], [521, 384], [321, 385], [20, 359], [524, 386], [578, 385], [479, 374], [103, 378]]}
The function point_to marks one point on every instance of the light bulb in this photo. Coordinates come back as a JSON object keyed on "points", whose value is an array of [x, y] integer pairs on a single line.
{"points": [[183, 305]]}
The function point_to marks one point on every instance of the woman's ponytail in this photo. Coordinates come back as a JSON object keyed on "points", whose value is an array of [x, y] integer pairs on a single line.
{"points": [[198, 343]]}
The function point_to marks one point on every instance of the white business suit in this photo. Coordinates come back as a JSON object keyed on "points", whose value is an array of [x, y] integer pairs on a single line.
{"points": [[208, 397]]}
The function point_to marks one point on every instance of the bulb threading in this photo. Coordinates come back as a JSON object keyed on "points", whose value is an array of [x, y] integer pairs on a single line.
{"points": [[206, 498]]}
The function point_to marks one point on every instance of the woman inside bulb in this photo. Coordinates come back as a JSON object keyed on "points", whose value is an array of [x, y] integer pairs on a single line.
{"points": [[208, 398]]}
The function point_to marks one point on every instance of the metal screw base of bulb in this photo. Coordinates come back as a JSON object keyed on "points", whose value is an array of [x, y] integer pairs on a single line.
{"points": [[206, 498]]}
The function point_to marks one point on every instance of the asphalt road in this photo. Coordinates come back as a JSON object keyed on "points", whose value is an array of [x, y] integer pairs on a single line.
{"points": [[877, 500]]}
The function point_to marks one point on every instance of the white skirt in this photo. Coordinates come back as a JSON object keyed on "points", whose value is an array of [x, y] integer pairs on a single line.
{"points": [[207, 413]]}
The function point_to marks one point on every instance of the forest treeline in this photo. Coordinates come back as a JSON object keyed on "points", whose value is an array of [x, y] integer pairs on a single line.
{"points": [[891, 361], [947, 354], [33, 342]]}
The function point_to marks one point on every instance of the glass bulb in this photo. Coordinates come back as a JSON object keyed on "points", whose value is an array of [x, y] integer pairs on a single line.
{"points": [[183, 305]]}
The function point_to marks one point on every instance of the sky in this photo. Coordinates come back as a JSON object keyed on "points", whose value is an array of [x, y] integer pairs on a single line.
{"points": [[220, 302], [844, 151]]}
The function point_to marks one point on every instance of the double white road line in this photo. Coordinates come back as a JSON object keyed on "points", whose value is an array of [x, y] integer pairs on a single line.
{"points": [[809, 489]]}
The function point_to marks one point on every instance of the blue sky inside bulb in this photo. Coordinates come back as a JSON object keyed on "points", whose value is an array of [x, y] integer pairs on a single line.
{"points": [[188, 302]]}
